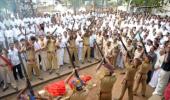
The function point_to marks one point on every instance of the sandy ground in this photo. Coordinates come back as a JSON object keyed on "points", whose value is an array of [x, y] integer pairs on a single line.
{"points": [[93, 93]]}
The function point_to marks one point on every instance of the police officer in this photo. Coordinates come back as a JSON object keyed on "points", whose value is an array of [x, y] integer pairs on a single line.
{"points": [[31, 60], [106, 85], [141, 75], [128, 79], [51, 49], [72, 46]]}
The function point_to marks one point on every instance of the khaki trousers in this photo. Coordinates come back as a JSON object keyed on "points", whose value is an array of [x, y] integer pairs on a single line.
{"points": [[74, 52], [33, 67], [127, 85], [140, 79], [52, 61], [86, 49], [6, 75]]}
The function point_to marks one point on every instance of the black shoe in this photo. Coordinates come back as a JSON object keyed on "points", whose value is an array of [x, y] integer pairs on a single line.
{"points": [[143, 95], [57, 73], [50, 72], [40, 78], [89, 61], [1, 83], [4, 89]]}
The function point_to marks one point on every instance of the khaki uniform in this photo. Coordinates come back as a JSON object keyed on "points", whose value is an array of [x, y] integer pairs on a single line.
{"points": [[141, 77], [51, 55], [128, 82], [73, 50], [106, 86], [79, 95], [6, 73], [86, 48], [31, 63]]}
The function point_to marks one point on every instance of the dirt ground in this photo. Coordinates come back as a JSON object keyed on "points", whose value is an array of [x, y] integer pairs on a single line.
{"points": [[93, 93]]}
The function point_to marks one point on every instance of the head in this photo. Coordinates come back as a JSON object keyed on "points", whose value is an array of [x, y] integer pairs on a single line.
{"points": [[129, 41], [162, 51], [147, 58], [139, 47], [107, 72], [33, 39], [136, 62], [167, 48], [11, 45], [22, 41], [109, 43], [149, 42], [41, 37], [152, 49], [78, 86]]}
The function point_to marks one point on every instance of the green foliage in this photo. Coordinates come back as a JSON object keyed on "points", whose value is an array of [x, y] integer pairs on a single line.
{"points": [[145, 2]]}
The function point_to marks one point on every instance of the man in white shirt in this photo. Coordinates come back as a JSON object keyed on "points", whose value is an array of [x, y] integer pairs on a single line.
{"points": [[79, 43], [13, 57]]}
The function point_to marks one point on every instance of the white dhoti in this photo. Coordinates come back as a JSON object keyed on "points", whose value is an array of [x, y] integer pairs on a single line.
{"points": [[24, 57], [44, 61], [60, 53], [119, 61], [37, 59], [162, 82], [66, 56], [80, 52], [154, 80]]}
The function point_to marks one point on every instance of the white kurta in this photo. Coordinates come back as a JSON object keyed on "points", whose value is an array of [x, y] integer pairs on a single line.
{"points": [[60, 53], [155, 76]]}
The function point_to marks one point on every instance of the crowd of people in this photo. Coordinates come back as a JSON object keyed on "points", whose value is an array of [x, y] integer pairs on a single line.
{"points": [[42, 43]]}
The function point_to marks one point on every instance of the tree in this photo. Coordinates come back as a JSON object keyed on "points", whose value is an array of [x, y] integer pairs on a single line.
{"points": [[145, 2]]}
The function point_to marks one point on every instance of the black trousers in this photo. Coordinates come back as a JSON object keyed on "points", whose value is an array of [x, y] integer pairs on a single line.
{"points": [[15, 73], [150, 73], [92, 52]]}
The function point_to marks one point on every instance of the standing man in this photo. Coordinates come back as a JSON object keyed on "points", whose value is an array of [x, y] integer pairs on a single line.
{"points": [[43, 53], [86, 41], [14, 58], [5, 69], [51, 55], [92, 41], [79, 43], [106, 85], [31, 59], [164, 73], [128, 79], [141, 75], [72, 47]]}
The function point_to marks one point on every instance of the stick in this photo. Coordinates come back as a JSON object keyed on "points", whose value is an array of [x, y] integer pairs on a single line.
{"points": [[29, 86], [141, 40], [124, 47]]}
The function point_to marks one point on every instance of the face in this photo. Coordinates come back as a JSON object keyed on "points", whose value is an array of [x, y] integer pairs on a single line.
{"points": [[146, 59], [136, 62], [108, 43], [152, 49], [167, 48], [11, 46], [162, 51]]}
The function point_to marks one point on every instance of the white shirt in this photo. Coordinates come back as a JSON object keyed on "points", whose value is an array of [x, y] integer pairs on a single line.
{"points": [[13, 56]]}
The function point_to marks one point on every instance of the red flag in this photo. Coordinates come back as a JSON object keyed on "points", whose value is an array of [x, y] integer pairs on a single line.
{"points": [[6, 61]]}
